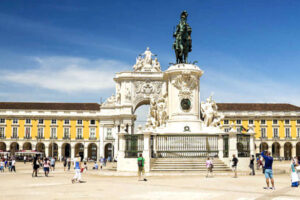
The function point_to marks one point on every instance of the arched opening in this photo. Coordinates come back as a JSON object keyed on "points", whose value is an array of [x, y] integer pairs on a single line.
{"points": [[141, 112], [298, 149], [287, 150], [92, 152], [14, 147], [53, 150], [276, 150], [2, 146], [79, 150], [27, 146], [40, 147], [66, 150], [109, 151], [263, 147]]}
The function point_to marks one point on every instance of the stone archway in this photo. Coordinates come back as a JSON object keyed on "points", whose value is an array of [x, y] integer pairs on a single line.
{"points": [[27, 146], [263, 147], [79, 150], [2, 146], [40, 147], [66, 150], [14, 147], [288, 150], [109, 151], [53, 147], [276, 150], [92, 152], [298, 149]]}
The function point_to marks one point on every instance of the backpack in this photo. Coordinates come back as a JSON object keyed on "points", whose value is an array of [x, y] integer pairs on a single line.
{"points": [[140, 163]]}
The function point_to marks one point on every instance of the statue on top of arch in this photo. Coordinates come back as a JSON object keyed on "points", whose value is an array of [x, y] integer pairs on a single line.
{"points": [[145, 63]]}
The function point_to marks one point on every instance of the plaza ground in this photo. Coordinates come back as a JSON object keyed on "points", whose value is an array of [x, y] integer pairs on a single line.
{"points": [[106, 185]]}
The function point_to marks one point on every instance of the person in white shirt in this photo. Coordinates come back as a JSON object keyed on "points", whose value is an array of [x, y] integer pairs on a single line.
{"points": [[209, 166], [2, 165], [13, 165], [25, 159]]}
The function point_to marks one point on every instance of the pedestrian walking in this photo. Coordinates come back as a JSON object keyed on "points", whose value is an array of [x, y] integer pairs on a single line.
{"points": [[268, 169], [46, 166], [9, 164], [2, 165], [13, 165], [294, 175], [52, 162], [77, 167], [25, 159], [65, 163], [35, 165], [69, 163], [234, 165], [209, 166], [5, 162], [101, 162], [251, 165], [141, 170]]}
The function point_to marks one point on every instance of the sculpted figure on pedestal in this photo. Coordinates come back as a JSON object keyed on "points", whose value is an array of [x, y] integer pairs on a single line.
{"points": [[145, 63], [210, 113], [157, 114], [110, 101]]}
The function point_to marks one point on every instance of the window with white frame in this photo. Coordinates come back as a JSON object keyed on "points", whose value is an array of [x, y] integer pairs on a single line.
{"points": [[67, 132], [15, 121], [226, 121], [53, 121], [92, 132], [93, 122], [109, 132], [41, 121], [67, 122], [2, 132], [238, 121], [79, 133], [226, 130], [27, 121], [79, 122], [15, 132], [298, 132], [40, 132], [287, 121], [263, 132], [263, 121], [2, 121], [53, 132], [275, 121], [287, 132], [27, 132], [275, 132], [251, 121]]}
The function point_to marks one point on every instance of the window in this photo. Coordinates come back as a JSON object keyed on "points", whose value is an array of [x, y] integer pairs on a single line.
{"points": [[28, 121], [298, 132], [92, 132], [287, 121], [79, 122], [40, 132], [93, 122], [2, 132], [53, 132], [79, 133], [275, 132], [263, 121], [27, 132], [53, 121], [287, 132], [298, 121], [275, 121], [108, 132], [238, 121], [66, 133], [2, 121], [263, 133], [15, 121], [67, 121], [226, 130], [41, 121], [251, 121], [15, 132]]}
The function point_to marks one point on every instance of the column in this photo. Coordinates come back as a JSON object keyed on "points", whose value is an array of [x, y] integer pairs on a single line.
{"points": [[281, 151], [101, 136], [122, 143], [252, 145], [220, 146], [116, 145], [59, 152], [293, 151], [270, 148], [233, 144], [47, 150], [72, 151], [98, 152], [147, 151], [85, 153]]}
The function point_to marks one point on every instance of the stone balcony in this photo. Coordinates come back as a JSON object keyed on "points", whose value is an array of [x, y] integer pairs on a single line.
{"points": [[109, 138], [27, 137], [66, 138], [92, 138]]}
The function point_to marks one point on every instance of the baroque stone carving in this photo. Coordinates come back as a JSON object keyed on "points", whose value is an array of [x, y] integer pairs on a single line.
{"points": [[128, 94], [110, 101], [145, 63], [185, 83], [210, 113], [158, 112], [147, 87]]}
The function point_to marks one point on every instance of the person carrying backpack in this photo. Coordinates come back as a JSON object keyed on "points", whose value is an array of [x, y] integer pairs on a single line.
{"points": [[141, 170]]}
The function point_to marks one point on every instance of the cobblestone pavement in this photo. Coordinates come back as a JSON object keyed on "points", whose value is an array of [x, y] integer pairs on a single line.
{"points": [[100, 185]]}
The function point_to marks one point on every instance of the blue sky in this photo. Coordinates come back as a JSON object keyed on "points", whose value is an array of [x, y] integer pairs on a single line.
{"points": [[68, 51]]}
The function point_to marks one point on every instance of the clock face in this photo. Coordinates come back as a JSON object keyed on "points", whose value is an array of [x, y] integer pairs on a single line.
{"points": [[185, 104]]}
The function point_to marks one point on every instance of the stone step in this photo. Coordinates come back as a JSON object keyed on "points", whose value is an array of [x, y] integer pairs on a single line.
{"points": [[184, 169]]}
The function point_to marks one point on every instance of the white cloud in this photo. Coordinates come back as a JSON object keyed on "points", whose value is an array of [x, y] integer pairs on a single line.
{"points": [[68, 74]]}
